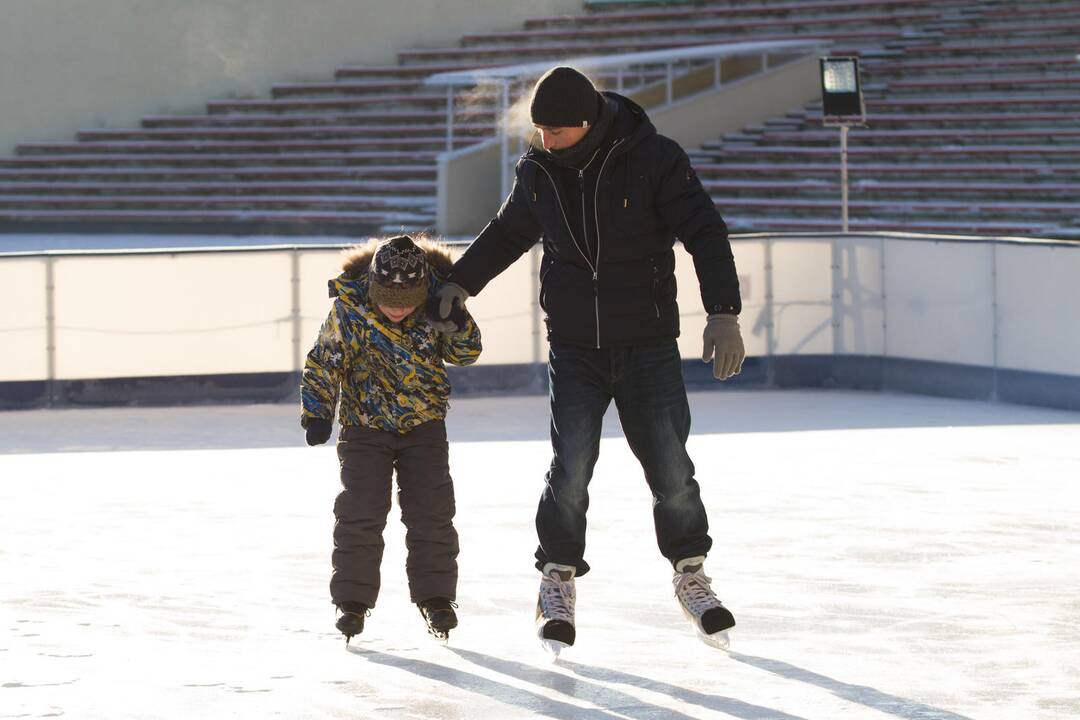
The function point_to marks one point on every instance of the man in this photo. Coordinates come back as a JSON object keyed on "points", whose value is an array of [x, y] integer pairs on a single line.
{"points": [[609, 196]]}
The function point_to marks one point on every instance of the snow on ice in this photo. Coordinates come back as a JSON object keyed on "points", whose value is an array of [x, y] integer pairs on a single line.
{"points": [[886, 557]]}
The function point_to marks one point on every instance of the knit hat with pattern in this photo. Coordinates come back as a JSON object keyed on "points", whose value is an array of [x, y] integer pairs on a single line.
{"points": [[398, 274]]}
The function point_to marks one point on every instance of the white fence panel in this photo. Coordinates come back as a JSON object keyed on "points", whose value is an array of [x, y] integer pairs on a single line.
{"points": [[23, 334], [802, 296], [859, 293], [1039, 308], [939, 301], [173, 314], [316, 269], [509, 315]]}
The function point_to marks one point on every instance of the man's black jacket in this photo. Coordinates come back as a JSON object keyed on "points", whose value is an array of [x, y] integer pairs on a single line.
{"points": [[607, 274]]}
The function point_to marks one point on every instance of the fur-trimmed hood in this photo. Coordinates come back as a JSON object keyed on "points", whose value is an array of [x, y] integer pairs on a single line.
{"points": [[356, 261]]}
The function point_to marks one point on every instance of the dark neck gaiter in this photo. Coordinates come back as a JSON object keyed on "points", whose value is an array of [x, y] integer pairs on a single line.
{"points": [[577, 155]]}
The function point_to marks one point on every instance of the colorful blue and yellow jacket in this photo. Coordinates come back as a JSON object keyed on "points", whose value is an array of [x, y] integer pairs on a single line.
{"points": [[381, 374]]}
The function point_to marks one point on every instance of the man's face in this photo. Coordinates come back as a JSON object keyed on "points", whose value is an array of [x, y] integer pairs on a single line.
{"points": [[560, 138]]}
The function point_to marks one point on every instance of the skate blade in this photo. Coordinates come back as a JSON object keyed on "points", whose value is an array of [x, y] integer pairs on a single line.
{"points": [[720, 640], [553, 647]]}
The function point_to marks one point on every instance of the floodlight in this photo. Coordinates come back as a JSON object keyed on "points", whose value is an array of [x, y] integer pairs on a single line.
{"points": [[841, 91]]}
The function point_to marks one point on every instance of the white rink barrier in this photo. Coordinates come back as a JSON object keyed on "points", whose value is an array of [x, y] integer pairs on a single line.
{"points": [[1000, 304]]}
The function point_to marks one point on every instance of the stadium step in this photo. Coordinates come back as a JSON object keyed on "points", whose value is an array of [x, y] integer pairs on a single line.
{"points": [[971, 128]]}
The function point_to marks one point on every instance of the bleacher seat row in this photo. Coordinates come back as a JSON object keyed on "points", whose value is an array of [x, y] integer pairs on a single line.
{"points": [[971, 110]]}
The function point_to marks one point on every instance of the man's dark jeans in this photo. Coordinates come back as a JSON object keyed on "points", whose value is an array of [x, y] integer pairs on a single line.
{"points": [[647, 385]]}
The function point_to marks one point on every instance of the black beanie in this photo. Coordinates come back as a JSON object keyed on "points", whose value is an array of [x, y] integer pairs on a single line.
{"points": [[398, 273], [564, 97]]}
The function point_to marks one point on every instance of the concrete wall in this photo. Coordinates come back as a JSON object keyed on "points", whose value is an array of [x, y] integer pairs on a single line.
{"points": [[745, 102], [66, 65], [470, 189]]}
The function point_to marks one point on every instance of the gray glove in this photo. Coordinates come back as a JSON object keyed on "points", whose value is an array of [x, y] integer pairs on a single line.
{"points": [[723, 345], [442, 317]]}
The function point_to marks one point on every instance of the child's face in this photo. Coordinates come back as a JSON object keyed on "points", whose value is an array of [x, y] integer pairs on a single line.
{"points": [[397, 314]]}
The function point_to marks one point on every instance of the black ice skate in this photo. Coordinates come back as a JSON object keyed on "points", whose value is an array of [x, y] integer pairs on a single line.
{"points": [[555, 608], [699, 603], [352, 617], [438, 613]]}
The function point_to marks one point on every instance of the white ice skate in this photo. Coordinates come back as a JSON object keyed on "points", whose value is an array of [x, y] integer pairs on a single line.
{"points": [[555, 609], [699, 603]]}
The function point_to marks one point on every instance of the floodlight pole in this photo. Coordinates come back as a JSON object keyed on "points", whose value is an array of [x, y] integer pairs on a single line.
{"points": [[843, 178], [842, 104]]}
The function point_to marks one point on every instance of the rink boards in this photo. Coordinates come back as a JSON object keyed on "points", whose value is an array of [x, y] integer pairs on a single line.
{"points": [[968, 317]]}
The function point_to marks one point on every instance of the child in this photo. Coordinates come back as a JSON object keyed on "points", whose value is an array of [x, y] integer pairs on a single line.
{"points": [[380, 362]]}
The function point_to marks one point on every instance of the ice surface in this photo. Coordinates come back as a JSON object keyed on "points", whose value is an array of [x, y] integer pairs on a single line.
{"points": [[885, 556]]}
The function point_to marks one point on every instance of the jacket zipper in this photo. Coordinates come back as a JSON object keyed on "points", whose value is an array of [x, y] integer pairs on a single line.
{"points": [[596, 218], [596, 214], [585, 236], [558, 199]]}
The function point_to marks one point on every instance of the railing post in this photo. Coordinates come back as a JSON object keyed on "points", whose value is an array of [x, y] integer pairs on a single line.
{"points": [[504, 105], [994, 314], [884, 296], [50, 332], [770, 337], [294, 303], [449, 117], [717, 79], [837, 308], [670, 82], [619, 80]]}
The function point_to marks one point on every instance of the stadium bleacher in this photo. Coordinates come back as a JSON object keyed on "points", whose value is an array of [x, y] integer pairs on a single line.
{"points": [[971, 129]]}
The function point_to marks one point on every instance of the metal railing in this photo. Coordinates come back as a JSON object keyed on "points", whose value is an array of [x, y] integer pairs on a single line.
{"points": [[627, 72]]}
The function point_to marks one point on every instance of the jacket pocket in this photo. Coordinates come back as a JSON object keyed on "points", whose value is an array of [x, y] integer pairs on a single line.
{"points": [[544, 277]]}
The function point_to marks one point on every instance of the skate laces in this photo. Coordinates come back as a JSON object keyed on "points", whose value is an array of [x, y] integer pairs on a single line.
{"points": [[694, 592], [357, 609], [438, 604], [557, 598]]}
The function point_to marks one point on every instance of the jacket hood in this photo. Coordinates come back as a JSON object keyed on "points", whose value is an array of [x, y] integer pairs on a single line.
{"points": [[351, 285], [631, 122]]}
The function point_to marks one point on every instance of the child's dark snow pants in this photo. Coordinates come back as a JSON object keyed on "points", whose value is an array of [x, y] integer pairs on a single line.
{"points": [[426, 498]]}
